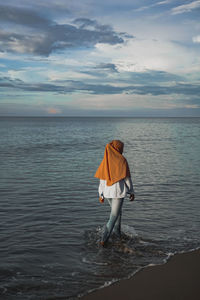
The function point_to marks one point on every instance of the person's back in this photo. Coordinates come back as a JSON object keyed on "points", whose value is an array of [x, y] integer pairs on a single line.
{"points": [[115, 184]]}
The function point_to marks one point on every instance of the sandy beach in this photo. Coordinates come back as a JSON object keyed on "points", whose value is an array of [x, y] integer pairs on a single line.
{"points": [[178, 279]]}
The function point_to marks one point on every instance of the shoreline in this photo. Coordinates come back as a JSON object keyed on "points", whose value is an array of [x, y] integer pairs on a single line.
{"points": [[177, 279]]}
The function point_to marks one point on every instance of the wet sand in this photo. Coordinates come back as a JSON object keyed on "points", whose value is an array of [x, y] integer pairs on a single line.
{"points": [[178, 279]]}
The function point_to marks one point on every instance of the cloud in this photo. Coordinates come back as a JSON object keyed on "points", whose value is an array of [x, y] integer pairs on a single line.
{"points": [[23, 16], [107, 67], [142, 8], [196, 39], [85, 23], [164, 2], [178, 88], [185, 7], [153, 76], [35, 34], [72, 86]]}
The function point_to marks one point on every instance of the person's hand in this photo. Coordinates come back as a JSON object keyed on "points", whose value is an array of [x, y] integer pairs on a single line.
{"points": [[132, 197], [101, 199]]}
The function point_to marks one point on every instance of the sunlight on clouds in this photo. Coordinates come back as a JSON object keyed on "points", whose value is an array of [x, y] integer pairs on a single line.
{"points": [[196, 39], [185, 7], [142, 55], [70, 75], [164, 2], [17, 46], [59, 60], [152, 5]]}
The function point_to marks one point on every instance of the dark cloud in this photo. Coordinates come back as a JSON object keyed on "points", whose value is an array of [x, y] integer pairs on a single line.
{"points": [[154, 76], [178, 88], [107, 67], [85, 23], [35, 34], [146, 77], [24, 17], [71, 86]]}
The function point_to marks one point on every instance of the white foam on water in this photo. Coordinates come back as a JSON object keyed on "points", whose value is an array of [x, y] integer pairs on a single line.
{"points": [[106, 284], [129, 231], [90, 262]]}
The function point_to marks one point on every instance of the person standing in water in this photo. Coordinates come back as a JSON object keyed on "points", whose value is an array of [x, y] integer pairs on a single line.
{"points": [[115, 184]]}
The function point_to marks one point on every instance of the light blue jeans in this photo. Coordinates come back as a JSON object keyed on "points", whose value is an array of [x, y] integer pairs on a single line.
{"points": [[114, 222]]}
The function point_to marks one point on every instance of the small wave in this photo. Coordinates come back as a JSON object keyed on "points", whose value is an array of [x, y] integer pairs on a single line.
{"points": [[106, 284], [129, 242], [86, 261], [114, 280], [129, 231]]}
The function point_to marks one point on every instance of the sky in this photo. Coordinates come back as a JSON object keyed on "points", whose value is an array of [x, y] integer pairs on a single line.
{"points": [[134, 58]]}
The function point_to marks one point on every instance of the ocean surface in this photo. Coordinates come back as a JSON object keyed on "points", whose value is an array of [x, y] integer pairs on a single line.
{"points": [[51, 220]]}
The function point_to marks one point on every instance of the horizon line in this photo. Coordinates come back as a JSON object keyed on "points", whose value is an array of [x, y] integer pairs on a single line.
{"points": [[76, 116]]}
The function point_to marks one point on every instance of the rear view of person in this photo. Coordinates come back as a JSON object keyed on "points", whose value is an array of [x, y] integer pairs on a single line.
{"points": [[115, 184]]}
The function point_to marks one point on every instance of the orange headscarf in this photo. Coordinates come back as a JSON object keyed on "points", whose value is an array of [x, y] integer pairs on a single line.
{"points": [[114, 166]]}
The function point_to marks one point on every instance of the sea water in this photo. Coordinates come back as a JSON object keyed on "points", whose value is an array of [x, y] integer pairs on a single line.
{"points": [[50, 218]]}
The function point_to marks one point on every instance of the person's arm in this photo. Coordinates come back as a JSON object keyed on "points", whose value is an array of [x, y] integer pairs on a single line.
{"points": [[129, 185], [101, 197]]}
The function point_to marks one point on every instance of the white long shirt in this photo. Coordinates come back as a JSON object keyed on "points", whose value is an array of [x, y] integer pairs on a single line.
{"points": [[118, 190]]}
